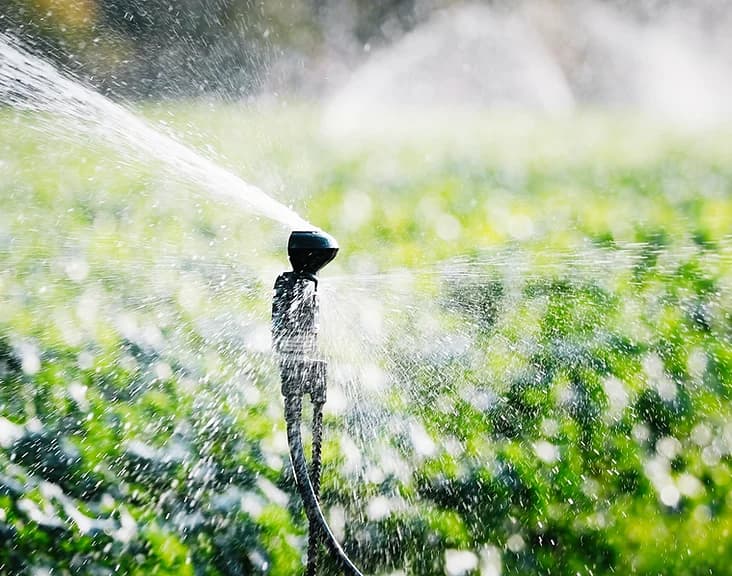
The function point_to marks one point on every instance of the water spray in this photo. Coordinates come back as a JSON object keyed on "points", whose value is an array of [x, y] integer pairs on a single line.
{"points": [[295, 317]]}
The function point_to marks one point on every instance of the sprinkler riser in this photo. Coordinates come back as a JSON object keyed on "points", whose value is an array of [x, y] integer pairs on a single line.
{"points": [[295, 305], [295, 315]]}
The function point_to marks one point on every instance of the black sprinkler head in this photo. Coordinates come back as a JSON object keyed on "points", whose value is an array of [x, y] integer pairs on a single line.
{"points": [[310, 250]]}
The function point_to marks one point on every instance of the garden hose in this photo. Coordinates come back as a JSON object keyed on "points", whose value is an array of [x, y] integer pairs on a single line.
{"points": [[315, 466], [293, 414]]}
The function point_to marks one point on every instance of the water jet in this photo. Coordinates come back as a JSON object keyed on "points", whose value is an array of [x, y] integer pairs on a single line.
{"points": [[295, 324]]}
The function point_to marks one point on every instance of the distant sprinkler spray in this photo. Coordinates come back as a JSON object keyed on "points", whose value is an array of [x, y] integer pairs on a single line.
{"points": [[295, 311]]}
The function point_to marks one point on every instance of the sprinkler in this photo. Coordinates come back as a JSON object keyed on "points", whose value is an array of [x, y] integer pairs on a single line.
{"points": [[295, 311]]}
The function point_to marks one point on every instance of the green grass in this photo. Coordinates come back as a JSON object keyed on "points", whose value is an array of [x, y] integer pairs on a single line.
{"points": [[597, 309]]}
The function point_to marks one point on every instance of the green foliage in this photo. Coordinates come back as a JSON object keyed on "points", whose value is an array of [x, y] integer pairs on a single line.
{"points": [[583, 430]]}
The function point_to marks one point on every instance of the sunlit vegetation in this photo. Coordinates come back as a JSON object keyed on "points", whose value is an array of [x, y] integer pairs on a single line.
{"points": [[538, 310]]}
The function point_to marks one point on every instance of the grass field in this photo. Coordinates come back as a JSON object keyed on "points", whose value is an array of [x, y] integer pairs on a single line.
{"points": [[546, 392]]}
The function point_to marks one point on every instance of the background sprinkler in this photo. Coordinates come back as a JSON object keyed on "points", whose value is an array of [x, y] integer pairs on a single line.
{"points": [[295, 310]]}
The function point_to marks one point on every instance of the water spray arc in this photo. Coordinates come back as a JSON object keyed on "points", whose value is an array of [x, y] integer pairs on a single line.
{"points": [[295, 318]]}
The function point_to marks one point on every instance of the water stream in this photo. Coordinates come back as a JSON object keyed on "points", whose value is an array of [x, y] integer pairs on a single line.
{"points": [[29, 83]]}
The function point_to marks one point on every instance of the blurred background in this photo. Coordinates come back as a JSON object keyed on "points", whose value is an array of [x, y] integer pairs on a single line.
{"points": [[664, 56]]}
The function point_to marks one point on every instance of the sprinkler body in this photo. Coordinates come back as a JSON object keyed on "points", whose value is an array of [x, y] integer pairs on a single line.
{"points": [[295, 323]]}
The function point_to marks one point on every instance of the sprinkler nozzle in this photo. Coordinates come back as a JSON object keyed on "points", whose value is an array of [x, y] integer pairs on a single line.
{"points": [[310, 250]]}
